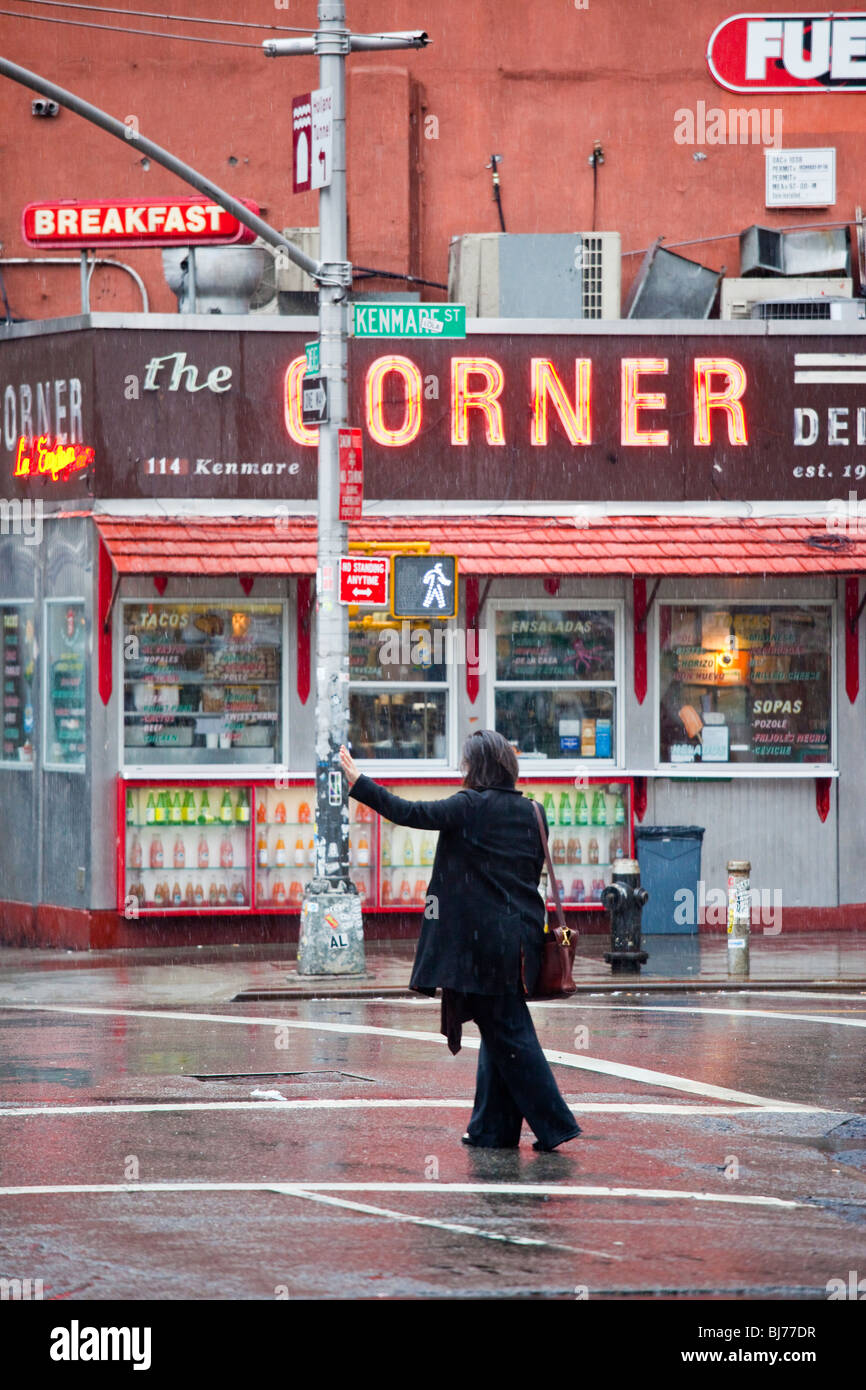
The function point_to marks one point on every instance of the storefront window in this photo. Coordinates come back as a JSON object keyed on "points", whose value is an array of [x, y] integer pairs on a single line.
{"points": [[555, 681], [19, 661], [66, 686], [745, 683], [398, 699], [202, 682]]}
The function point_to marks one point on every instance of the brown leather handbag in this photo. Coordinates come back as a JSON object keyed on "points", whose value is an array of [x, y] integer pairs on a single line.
{"points": [[555, 978]]}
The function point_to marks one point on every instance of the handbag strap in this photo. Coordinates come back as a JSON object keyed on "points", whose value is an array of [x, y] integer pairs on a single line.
{"points": [[551, 876]]}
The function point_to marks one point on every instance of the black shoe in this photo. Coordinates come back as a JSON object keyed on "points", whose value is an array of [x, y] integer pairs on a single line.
{"points": [[545, 1149], [473, 1144]]}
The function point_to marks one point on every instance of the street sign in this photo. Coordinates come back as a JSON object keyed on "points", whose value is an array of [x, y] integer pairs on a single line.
{"points": [[364, 579], [424, 586], [390, 320], [350, 447], [322, 104], [312, 139], [312, 354], [133, 222], [314, 400]]}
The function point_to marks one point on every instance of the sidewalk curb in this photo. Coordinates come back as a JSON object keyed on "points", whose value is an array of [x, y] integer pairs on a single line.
{"points": [[621, 986]]}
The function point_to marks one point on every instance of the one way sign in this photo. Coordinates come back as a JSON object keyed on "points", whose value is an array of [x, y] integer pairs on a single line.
{"points": [[314, 400]]}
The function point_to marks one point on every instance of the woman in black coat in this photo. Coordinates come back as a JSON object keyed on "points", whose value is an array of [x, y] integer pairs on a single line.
{"points": [[482, 937]]}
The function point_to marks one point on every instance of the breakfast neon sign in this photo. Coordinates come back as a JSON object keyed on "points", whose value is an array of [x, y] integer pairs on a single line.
{"points": [[50, 458], [134, 222], [393, 384]]}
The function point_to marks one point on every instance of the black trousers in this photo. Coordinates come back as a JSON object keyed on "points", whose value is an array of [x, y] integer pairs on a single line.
{"points": [[514, 1080]]}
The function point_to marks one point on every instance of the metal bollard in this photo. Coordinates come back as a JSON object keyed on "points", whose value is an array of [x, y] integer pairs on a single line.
{"points": [[623, 900], [739, 915]]}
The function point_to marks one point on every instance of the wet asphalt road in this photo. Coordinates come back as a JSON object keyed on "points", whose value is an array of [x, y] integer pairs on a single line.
{"points": [[311, 1148]]}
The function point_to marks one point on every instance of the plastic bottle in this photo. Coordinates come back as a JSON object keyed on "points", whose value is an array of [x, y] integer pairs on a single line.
{"points": [[582, 812], [179, 854], [565, 809], [408, 852], [299, 852], [135, 856], [262, 851], [150, 810], [203, 852], [156, 853], [226, 812], [428, 848], [280, 853]]}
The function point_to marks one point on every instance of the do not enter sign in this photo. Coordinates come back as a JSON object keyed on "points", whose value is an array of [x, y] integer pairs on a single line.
{"points": [[364, 579]]}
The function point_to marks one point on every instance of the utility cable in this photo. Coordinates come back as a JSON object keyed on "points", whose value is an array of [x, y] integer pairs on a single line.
{"points": [[113, 29], [175, 18]]}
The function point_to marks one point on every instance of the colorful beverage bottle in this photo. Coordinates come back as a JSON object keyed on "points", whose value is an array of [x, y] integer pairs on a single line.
{"points": [[304, 815], [386, 849], [150, 810], [565, 809], [130, 809], [280, 813], [160, 814], [573, 852], [189, 894], [558, 851], [179, 854], [619, 810], [408, 852], [549, 808], [227, 857], [593, 851], [311, 852], [198, 893], [242, 809], [187, 810], [135, 856], [262, 851], [296, 891], [156, 853], [299, 852], [578, 890], [279, 892], [238, 895], [363, 852], [176, 895], [203, 853], [226, 812], [582, 812], [280, 853], [386, 892], [599, 809], [261, 813], [174, 813], [428, 849], [420, 894], [205, 814], [405, 894], [223, 895]]}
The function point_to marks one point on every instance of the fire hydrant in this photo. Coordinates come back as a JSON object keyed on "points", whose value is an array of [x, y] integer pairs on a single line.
{"points": [[624, 899]]}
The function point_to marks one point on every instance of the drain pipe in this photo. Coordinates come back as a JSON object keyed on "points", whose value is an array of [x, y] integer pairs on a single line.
{"points": [[85, 278]]}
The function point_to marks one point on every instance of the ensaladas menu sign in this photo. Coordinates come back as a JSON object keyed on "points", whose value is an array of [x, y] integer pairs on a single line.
{"points": [[741, 413]]}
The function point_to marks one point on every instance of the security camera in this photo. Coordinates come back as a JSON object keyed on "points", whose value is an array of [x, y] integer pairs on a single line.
{"points": [[43, 107]]}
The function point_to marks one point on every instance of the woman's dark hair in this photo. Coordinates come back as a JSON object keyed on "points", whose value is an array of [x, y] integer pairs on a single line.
{"points": [[488, 761]]}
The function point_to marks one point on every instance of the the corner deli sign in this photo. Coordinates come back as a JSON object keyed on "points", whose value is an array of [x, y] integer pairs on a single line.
{"points": [[790, 52], [134, 222]]}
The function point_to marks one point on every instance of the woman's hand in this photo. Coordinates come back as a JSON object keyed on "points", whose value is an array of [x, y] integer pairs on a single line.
{"points": [[347, 762]]}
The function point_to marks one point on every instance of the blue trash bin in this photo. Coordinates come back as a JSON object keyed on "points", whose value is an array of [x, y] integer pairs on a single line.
{"points": [[670, 862]]}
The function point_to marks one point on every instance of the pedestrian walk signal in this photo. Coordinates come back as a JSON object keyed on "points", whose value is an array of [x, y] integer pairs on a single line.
{"points": [[424, 586]]}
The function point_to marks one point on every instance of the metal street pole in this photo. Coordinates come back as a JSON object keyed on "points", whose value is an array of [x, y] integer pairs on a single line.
{"points": [[332, 937]]}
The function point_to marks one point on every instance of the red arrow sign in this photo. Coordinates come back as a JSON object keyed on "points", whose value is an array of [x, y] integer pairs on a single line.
{"points": [[364, 579]]}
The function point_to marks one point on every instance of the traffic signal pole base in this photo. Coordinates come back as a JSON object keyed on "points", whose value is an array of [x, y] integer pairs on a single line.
{"points": [[332, 935]]}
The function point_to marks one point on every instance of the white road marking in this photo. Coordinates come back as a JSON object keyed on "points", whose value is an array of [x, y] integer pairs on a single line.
{"points": [[514, 1189], [438, 1225], [108, 1107], [565, 1059], [730, 1013]]}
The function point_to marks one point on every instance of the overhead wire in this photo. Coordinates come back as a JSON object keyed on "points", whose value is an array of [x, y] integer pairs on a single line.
{"points": [[113, 29], [174, 18]]}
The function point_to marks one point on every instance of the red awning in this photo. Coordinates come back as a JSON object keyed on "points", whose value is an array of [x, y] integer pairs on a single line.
{"points": [[494, 545]]}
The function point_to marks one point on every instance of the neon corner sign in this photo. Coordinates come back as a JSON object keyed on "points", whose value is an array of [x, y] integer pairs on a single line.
{"points": [[49, 458]]}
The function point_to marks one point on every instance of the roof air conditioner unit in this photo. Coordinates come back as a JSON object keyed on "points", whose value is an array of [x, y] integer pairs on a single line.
{"points": [[284, 288], [574, 275], [737, 295], [815, 251], [832, 310]]}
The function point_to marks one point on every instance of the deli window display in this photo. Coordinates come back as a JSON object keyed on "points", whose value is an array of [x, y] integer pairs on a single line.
{"points": [[745, 683], [554, 690], [19, 671], [65, 684], [203, 683], [398, 696]]}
